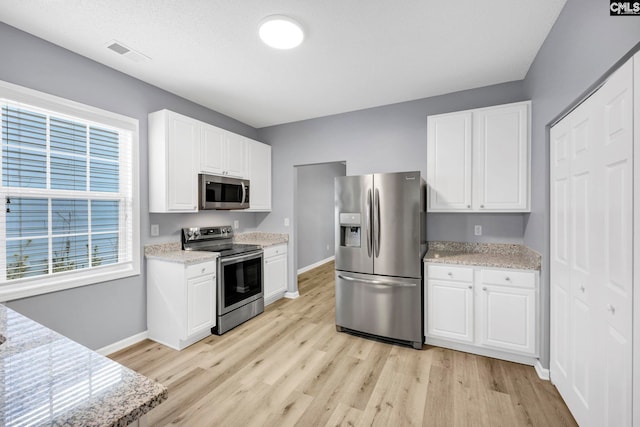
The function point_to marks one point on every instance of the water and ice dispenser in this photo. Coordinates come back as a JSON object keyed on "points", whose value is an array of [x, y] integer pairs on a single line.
{"points": [[350, 229]]}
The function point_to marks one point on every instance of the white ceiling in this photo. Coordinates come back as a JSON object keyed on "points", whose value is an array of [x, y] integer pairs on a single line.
{"points": [[356, 54]]}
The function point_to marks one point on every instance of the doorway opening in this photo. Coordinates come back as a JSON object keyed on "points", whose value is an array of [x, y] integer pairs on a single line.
{"points": [[314, 212]]}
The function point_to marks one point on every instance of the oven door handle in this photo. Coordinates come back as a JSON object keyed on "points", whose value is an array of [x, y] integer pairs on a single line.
{"points": [[243, 257]]}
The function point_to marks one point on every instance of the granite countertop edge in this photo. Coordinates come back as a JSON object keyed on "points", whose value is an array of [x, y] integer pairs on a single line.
{"points": [[496, 255], [172, 251], [261, 238]]}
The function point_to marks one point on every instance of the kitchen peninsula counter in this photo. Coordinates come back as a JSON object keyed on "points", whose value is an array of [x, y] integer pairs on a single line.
{"points": [[48, 379], [499, 255]]}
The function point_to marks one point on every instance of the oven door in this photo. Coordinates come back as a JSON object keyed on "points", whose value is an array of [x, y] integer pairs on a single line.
{"points": [[240, 280], [217, 192]]}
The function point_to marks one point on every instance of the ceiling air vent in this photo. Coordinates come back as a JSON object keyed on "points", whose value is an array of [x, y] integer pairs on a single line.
{"points": [[127, 52]]}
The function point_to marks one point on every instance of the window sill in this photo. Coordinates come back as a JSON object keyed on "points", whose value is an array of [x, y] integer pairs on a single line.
{"points": [[23, 288]]}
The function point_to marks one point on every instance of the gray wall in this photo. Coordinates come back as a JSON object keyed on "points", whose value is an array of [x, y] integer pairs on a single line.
{"points": [[583, 44], [105, 313], [314, 211], [391, 138]]}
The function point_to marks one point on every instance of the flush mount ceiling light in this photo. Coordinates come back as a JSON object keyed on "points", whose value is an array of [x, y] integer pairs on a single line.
{"points": [[280, 32]]}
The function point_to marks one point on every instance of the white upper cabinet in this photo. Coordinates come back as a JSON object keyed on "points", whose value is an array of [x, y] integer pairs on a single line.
{"points": [[222, 152], [449, 154], [174, 142], [501, 136], [259, 167], [478, 160], [181, 147], [212, 150]]}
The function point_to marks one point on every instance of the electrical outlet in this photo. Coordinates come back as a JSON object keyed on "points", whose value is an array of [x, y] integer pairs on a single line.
{"points": [[286, 222], [236, 224], [155, 230], [477, 230]]}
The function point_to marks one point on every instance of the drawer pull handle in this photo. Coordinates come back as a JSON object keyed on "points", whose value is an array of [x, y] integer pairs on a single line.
{"points": [[582, 288], [204, 269], [450, 274], [484, 288], [508, 279], [611, 309], [470, 287]]}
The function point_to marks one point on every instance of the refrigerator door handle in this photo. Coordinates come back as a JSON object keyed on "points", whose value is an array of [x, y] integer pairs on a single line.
{"points": [[378, 282], [369, 237], [376, 223]]}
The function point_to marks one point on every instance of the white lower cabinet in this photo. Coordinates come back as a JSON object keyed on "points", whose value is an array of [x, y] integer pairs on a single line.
{"points": [[181, 302], [480, 310], [507, 318], [450, 310], [275, 273]]}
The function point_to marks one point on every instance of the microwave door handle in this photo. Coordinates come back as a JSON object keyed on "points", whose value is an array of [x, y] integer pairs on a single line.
{"points": [[203, 192], [244, 193]]}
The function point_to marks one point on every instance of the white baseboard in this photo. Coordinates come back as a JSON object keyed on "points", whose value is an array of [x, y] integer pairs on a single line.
{"points": [[116, 346], [543, 373], [273, 298], [315, 264], [292, 295], [483, 351]]}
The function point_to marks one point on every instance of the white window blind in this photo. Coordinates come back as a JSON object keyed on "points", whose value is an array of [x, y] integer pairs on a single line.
{"points": [[66, 196]]}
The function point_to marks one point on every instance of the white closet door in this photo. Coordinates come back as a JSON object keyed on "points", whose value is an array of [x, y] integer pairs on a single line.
{"points": [[615, 113], [591, 254], [574, 258], [560, 142]]}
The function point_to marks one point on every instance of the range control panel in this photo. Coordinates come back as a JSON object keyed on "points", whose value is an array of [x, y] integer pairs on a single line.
{"points": [[206, 233]]}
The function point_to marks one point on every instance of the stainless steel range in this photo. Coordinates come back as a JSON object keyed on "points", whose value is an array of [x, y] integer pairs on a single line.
{"points": [[240, 278]]}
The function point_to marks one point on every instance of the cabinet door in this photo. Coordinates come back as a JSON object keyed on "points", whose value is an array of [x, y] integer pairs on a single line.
{"points": [[235, 156], [275, 275], [212, 150], [201, 306], [507, 318], [449, 310], [259, 166], [182, 180], [501, 137], [449, 162]]}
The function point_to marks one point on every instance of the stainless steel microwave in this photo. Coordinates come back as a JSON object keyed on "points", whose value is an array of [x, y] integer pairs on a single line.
{"points": [[221, 192]]}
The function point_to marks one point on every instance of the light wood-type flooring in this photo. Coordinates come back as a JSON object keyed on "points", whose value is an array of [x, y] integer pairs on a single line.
{"points": [[289, 366]]}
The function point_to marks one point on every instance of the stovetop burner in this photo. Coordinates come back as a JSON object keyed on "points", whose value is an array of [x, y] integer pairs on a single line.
{"points": [[214, 239]]}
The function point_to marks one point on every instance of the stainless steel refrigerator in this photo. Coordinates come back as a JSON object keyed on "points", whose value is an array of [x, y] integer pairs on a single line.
{"points": [[380, 243]]}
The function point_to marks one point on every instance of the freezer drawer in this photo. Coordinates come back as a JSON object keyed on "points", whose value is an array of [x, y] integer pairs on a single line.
{"points": [[388, 307]]}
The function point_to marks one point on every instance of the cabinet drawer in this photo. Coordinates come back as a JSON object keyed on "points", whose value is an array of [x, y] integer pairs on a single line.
{"points": [[447, 272], [201, 269], [275, 250], [508, 278]]}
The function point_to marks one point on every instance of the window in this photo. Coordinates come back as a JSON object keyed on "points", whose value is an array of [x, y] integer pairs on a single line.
{"points": [[67, 194]]}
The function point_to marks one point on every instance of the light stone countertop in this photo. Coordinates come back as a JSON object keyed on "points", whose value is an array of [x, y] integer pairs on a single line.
{"points": [[499, 255], [48, 379], [261, 238], [173, 252]]}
